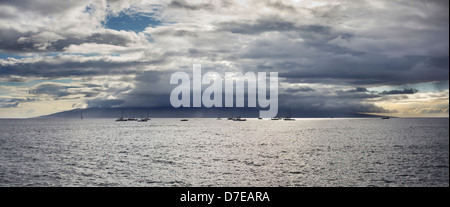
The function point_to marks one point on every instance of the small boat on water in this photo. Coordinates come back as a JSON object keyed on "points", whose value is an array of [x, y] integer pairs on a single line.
{"points": [[385, 117], [143, 120], [121, 119], [239, 119], [275, 119], [184, 119]]}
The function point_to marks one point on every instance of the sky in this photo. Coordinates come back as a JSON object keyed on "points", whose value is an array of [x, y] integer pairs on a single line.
{"points": [[384, 57]]}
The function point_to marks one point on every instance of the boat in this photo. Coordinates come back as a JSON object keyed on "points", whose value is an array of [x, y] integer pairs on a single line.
{"points": [[385, 117], [132, 119], [184, 119], [239, 119], [121, 119], [81, 115], [260, 118], [143, 120], [275, 119]]}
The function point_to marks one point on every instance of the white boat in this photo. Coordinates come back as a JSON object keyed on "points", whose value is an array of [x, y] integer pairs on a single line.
{"points": [[239, 119], [121, 119]]}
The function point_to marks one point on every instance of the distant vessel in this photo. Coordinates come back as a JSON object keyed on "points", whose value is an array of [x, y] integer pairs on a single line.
{"points": [[239, 119], [260, 118], [288, 117], [145, 119], [184, 120], [121, 118], [275, 119], [81, 114], [132, 119], [385, 117]]}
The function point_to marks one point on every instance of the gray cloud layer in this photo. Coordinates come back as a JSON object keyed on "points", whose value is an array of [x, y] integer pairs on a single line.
{"points": [[351, 45]]}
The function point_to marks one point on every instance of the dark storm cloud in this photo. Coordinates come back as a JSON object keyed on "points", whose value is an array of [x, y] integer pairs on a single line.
{"points": [[152, 89], [318, 105], [104, 103], [17, 42], [9, 41], [404, 91], [298, 89], [182, 4], [59, 67], [358, 90], [370, 70]]}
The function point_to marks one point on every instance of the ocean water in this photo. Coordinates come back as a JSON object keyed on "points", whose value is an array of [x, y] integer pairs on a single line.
{"points": [[209, 152]]}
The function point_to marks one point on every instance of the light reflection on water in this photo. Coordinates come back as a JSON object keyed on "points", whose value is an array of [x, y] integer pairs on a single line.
{"points": [[209, 152]]}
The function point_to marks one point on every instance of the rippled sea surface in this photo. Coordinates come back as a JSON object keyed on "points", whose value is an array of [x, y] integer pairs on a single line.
{"points": [[209, 152]]}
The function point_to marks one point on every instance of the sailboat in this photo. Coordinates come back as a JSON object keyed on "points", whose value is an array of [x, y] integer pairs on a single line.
{"points": [[145, 119], [81, 115], [132, 119], [288, 117], [142, 120], [121, 118]]}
